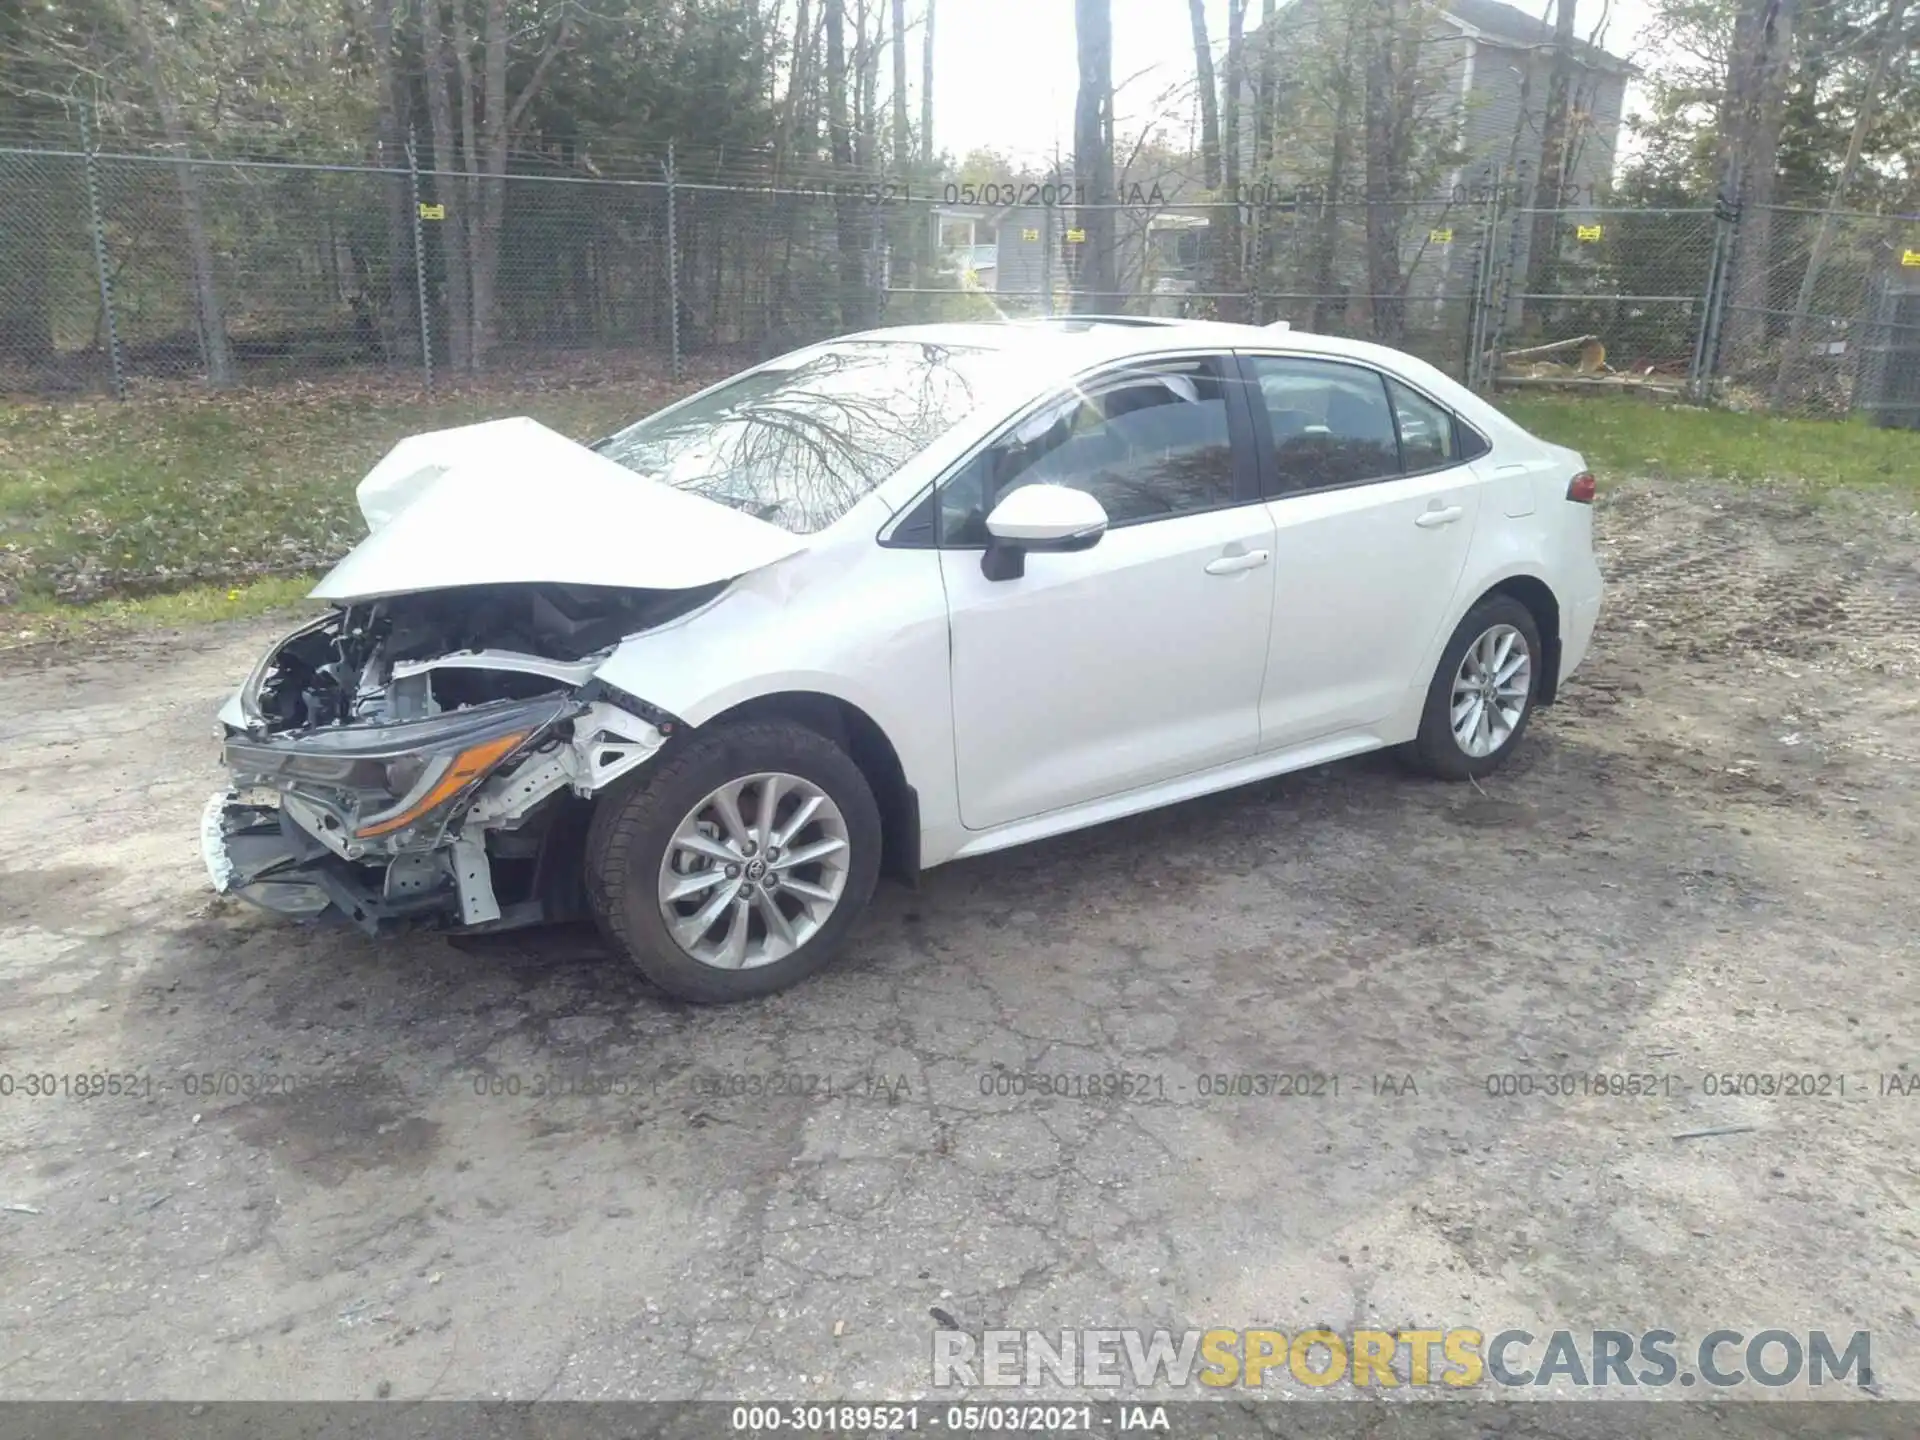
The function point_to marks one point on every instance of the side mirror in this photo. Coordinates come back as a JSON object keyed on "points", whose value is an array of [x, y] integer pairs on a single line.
{"points": [[1046, 518]]}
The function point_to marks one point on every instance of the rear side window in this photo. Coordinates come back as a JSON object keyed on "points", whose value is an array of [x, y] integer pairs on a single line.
{"points": [[1332, 424]]}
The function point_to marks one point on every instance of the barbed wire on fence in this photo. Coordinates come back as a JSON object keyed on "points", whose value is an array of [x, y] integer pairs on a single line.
{"points": [[117, 268]]}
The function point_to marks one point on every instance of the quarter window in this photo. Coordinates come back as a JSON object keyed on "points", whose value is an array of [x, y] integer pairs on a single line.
{"points": [[1427, 439], [1148, 444], [1331, 422]]}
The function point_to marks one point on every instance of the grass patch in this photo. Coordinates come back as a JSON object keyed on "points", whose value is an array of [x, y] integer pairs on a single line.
{"points": [[37, 621], [151, 512], [100, 500], [1622, 435]]}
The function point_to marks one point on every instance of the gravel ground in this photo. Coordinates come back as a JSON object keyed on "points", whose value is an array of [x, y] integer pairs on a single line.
{"points": [[1702, 864]]}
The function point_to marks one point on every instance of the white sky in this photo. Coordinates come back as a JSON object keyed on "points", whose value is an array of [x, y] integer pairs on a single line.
{"points": [[1005, 70]]}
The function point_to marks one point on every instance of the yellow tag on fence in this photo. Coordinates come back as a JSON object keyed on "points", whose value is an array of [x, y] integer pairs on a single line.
{"points": [[1076, 237], [433, 212], [1440, 237], [1029, 234], [1588, 234], [1910, 257]]}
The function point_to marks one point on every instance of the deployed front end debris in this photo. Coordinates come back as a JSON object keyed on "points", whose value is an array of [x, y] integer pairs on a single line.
{"points": [[425, 758]]}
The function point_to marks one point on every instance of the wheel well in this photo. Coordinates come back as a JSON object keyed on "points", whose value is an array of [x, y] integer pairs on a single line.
{"points": [[1534, 594], [855, 732]]}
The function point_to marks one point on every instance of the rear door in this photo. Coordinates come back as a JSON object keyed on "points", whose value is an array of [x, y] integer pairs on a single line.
{"points": [[1374, 510]]}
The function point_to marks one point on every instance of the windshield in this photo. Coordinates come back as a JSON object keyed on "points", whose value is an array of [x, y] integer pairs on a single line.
{"points": [[798, 445]]}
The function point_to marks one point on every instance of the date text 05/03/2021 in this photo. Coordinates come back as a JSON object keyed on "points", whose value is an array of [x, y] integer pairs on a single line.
{"points": [[896, 1418]]}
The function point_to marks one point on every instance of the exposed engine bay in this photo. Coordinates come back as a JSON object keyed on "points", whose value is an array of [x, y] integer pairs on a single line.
{"points": [[359, 665], [428, 757]]}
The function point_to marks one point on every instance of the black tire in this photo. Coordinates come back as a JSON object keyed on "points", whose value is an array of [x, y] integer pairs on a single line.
{"points": [[1435, 751], [632, 827]]}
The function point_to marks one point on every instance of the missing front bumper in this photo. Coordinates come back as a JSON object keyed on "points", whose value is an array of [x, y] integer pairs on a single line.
{"points": [[257, 853], [249, 854]]}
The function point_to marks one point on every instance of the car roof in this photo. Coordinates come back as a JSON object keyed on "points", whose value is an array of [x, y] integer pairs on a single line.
{"points": [[1102, 337], [1070, 340]]}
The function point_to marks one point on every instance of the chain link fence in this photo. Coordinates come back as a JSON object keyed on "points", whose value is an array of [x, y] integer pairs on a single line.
{"points": [[120, 270]]}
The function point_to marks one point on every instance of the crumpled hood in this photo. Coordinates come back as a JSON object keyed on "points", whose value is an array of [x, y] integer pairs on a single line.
{"points": [[511, 501]]}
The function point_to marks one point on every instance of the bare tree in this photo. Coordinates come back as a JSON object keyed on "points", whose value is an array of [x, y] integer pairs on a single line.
{"points": [[1890, 44], [926, 91], [1326, 240], [855, 311], [1267, 97], [1265, 130], [1209, 96], [1749, 154], [799, 78], [472, 168], [866, 79], [902, 137], [452, 227], [1543, 251], [402, 334], [193, 210], [501, 115], [1387, 126], [1229, 278], [1093, 156]]}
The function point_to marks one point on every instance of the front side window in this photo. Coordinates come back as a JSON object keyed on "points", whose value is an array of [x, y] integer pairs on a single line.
{"points": [[800, 443], [1149, 443], [1331, 422]]}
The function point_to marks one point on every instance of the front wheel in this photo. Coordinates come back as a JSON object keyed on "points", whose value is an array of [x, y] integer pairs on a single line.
{"points": [[1482, 693], [736, 867]]}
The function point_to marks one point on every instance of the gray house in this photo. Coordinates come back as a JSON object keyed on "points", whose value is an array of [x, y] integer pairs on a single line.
{"points": [[1503, 54], [1486, 71]]}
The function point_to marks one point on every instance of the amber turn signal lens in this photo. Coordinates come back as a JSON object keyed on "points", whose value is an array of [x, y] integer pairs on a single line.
{"points": [[467, 767]]}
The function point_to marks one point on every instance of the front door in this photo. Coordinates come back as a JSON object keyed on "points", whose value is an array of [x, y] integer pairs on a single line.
{"points": [[1135, 661]]}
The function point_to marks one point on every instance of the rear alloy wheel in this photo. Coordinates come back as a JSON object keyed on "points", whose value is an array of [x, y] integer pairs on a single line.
{"points": [[1482, 693], [736, 867]]}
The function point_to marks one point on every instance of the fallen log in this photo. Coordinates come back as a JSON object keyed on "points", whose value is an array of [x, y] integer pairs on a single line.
{"points": [[1590, 382], [1549, 349]]}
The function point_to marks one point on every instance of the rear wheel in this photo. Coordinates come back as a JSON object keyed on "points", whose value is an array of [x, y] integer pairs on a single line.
{"points": [[1482, 693], [736, 867]]}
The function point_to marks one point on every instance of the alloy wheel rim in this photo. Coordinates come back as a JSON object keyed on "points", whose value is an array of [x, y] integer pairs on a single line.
{"points": [[754, 871], [1490, 691]]}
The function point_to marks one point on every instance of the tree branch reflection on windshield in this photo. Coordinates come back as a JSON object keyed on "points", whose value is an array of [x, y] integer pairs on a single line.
{"points": [[800, 447]]}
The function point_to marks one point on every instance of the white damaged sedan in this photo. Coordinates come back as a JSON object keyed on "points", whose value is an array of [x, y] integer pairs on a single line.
{"points": [[885, 602]]}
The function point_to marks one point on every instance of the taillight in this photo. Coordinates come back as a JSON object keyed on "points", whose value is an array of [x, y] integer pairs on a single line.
{"points": [[1580, 489]]}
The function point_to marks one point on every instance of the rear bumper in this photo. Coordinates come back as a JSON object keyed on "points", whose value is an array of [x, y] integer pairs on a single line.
{"points": [[1577, 627]]}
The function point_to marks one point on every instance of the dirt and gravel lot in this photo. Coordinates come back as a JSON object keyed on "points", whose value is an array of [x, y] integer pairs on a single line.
{"points": [[1702, 865]]}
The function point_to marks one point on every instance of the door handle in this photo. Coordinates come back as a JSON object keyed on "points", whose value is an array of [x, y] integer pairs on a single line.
{"points": [[1233, 564], [1430, 519]]}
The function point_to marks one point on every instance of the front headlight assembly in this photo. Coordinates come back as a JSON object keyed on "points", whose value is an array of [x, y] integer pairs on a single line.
{"points": [[401, 783]]}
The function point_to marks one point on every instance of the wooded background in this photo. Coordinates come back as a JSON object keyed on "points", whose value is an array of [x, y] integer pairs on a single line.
{"points": [[226, 188]]}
